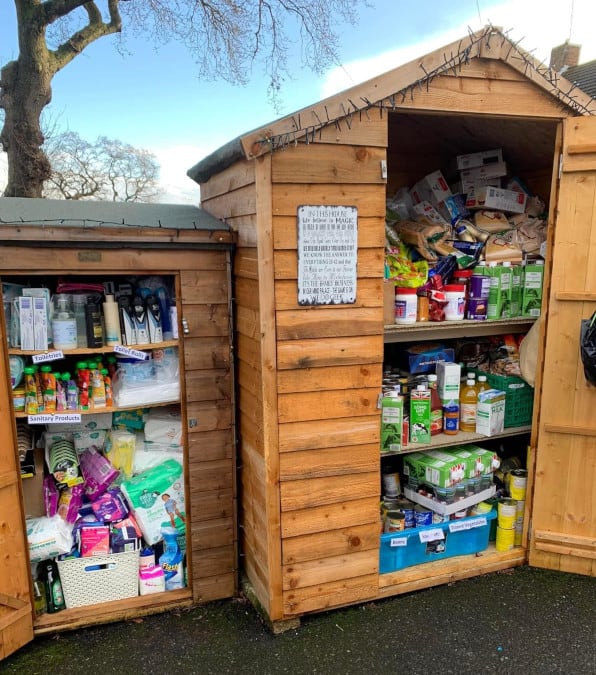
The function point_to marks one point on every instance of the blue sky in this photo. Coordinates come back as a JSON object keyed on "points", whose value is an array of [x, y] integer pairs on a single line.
{"points": [[153, 99]]}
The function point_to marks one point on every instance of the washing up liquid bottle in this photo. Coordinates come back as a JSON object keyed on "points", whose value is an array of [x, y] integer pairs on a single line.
{"points": [[171, 561], [53, 587]]}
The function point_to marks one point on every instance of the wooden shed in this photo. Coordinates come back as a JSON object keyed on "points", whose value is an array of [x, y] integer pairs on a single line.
{"points": [[43, 241], [309, 376]]}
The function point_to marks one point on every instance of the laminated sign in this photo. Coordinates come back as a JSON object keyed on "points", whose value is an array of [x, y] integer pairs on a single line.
{"points": [[327, 254]]}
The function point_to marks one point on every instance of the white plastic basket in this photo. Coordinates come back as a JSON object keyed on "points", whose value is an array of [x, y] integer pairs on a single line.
{"points": [[94, 579]]}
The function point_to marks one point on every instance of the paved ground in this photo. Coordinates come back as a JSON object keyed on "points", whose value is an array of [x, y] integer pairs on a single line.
{"points": [[520, 622]]}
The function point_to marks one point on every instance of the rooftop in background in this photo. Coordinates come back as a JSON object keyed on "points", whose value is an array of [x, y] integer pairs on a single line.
{"points": [[89, 214], [565, 59]]}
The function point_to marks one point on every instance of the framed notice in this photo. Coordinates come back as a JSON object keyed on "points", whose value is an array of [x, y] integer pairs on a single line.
{"points": [[327, 255]]}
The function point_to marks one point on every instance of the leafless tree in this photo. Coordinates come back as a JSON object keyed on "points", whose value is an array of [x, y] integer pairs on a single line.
{"points": [[104, 170], [225, 37]]}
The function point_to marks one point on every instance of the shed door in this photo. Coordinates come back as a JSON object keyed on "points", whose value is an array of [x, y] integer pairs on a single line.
{"points": [[16, 611], [563, 531]]}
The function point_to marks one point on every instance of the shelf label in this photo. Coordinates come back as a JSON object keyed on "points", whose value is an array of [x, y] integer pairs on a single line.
{"points": [[431, 535], [48, 356], [459, 526], [327, 254], [400, 541], [55, 418], [132, 353]]}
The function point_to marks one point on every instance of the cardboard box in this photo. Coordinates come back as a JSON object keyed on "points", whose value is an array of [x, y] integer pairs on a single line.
{"points": [[26, 323], [475, 159], [392, 415], [33, 488], [496, 198], [420, 416], [448, 381], [427, 210], [424, 357], [432, 188], [490, 412], [486, 460], [532, 290], [465, 186], [494, 170], [499, 292], [453, 208], [40, 324], [434, 470]]}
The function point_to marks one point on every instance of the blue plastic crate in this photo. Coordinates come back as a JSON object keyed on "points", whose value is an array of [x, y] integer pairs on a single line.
{"points": [[424, 544]]}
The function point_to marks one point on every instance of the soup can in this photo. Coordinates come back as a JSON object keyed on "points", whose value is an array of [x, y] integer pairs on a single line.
{"points": [[506, 513], [395, 521], [505, 539], [422, 516], [517, 482]]}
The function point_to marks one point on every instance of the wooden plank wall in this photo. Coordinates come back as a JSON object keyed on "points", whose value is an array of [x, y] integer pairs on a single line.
{"points": [[563, 513], [329, 363], [232, 196], [206, 292]]}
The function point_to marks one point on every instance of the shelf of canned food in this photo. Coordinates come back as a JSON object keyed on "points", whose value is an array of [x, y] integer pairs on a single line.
{"points": [[455, 329]]}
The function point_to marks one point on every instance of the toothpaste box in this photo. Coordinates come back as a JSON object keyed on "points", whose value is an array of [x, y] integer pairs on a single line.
{"points": [[490, 412], [40, 324]]}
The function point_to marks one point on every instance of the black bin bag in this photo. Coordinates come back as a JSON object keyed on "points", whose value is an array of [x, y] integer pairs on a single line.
{"points": [[587, 345]]}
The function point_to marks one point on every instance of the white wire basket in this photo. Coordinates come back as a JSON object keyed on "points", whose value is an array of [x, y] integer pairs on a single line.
{"points": [[94, 579]]}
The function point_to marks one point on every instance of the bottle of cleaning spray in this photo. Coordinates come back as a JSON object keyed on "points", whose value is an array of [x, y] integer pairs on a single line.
{"points": [[171, 561]]}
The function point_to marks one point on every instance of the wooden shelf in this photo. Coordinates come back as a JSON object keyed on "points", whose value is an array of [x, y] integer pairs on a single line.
{"points": [[81, 351], [462, 438], [443, 330], [116, 610], [94, 411]]}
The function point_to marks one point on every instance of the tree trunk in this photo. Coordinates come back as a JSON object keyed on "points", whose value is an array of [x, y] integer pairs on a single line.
{"points": [[26, 90]]}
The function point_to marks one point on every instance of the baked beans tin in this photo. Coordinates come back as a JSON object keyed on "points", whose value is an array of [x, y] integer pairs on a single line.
{"points": [[422, 516]]}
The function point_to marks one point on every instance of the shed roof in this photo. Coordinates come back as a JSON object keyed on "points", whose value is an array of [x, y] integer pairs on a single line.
{"points": [[386, 91], [89, 214]]}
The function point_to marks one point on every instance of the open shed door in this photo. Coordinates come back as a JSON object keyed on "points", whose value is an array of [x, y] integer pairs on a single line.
{"points": [[16, 611], [563, 529]]}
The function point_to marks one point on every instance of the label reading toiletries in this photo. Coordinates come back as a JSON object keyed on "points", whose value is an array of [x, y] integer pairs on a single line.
{"points": [[327, 254], [67, 418], [48, 356], [132, 353]]}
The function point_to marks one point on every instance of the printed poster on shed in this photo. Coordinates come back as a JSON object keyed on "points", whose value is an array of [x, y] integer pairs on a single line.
{"points": [[327, 254]]}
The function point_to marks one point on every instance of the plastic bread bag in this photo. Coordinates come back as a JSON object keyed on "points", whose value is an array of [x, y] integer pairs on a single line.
{"points": [[587, 347]]}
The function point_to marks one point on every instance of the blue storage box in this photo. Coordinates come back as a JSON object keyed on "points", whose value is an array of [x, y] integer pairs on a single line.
{"points": [[434, 542]]}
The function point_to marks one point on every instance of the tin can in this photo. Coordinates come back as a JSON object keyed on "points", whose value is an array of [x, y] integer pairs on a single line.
{"points": [[422, 516], [395, 521], [517, 481], [505, 539], [391, 484], [481, 509], [506, 513], [439, 518]]}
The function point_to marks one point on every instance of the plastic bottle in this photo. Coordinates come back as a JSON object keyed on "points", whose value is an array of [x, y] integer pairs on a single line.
{"points": [[112, 321], [48, 384], [72, 392], [153, 313], [98, 387], [78, 306], [482, 384], [171, 560], [406, 305], [107, 381], [83, 383], [94, 324], [436, 407], [64, 324], [140, 321], [468, 400], [53, 587], [174, 319]]}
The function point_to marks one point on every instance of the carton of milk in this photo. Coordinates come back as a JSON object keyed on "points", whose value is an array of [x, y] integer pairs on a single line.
{"points": [[420, 415], [490, 412]]}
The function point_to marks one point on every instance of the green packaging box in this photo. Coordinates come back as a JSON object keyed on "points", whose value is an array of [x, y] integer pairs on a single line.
{"points": [[498, 306], [420, 416], [486, 460], [515, 293], [431, 469], [532, 290], [392, 415]]}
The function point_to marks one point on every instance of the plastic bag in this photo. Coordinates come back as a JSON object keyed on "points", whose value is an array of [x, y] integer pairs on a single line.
{"points": [[587, 345]]}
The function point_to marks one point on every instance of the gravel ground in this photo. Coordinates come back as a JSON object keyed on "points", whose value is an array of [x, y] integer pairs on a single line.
{"points": [[522, 621]]}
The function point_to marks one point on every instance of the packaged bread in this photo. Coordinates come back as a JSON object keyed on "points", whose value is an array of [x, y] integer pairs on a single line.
{"points": [[498, 249], [491, 221]]}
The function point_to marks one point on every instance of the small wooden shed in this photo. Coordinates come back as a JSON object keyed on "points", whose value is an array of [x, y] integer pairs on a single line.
{"points": [[309, 376], [45, 240]]}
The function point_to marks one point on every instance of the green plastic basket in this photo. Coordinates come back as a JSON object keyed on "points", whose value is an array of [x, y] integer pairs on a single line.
{"points": [[519, 398]]}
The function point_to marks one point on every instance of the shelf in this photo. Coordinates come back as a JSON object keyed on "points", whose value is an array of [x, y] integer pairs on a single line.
{"points": [[443, 330], [94, 411], [95, 350], [462, 438]]}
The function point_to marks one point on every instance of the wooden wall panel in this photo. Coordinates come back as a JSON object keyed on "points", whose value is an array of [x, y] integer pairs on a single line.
{"points": [[332, 543], [329, 433], [306, 464], [369, 293]]}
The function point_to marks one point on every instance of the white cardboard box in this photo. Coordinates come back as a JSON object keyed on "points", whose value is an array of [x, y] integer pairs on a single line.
{"points": [[475, 159], [496, 198], [432, 188], [495, 170], [448, 381], [490, 412], [26, 322], [40, 323]]}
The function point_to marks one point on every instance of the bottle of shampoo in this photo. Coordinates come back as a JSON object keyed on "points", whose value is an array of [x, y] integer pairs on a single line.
{"points": [[112, 321], [94, 324]]}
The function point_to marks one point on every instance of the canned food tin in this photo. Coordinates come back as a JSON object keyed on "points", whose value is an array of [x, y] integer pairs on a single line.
{"points": [[422, 516], [505, 539], [395, 521], [506, 513], [517, 482]]}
